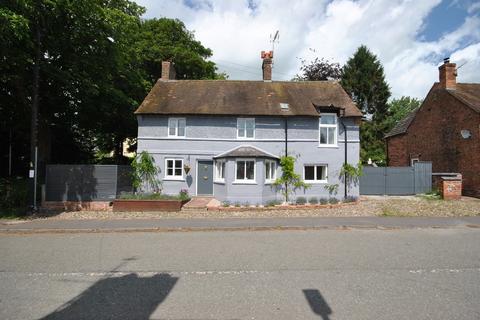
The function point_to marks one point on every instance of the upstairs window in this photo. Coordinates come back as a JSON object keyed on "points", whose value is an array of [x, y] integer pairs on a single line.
{"points": [[174, 169], [328, 129], [270, 170], [176, 127], [315, 173], [220, 170], [246, 128]]}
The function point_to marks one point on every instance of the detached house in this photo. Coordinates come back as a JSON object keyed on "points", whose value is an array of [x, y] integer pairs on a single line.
{"points": [[224, 138], [445, 130]]}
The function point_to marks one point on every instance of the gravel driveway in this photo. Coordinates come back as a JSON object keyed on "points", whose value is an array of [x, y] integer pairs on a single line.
{"points": [[367, 206]]}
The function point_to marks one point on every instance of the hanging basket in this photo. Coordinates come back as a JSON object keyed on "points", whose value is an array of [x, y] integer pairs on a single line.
{"points": [[186, 168]]}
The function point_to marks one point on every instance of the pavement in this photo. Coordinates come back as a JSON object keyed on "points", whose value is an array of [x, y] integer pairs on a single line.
{"points": [[426, 273], [205, 224]]}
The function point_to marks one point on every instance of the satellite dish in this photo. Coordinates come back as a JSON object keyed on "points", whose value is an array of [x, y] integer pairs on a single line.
{"points": [[466, 134]]}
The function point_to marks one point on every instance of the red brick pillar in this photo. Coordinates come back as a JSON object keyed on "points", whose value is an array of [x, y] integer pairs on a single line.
{"points": [[451, 187]]}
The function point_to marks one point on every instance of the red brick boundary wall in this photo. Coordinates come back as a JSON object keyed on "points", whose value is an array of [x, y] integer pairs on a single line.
{"points": [[77, 205]]}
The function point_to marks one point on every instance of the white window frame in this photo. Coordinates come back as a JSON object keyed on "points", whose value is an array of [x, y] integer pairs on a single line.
{"points": [[173, 177], [321, 125], [175, 121], [274, 164], [246, 181], [220, 167], [315, 166], [245, 128], [413, 161]]}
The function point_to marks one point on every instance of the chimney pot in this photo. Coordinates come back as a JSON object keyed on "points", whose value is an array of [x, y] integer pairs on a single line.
{"points": [[448, 74], [168, 71], [267, 57]]}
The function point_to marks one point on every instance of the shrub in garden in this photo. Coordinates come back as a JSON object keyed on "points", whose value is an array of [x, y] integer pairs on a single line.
{"points": [[237, 204], [323, 200], [183, 194], [333, 200], [313, 200], [350, 199], [272, 203], [226, 204], [301, 200]]}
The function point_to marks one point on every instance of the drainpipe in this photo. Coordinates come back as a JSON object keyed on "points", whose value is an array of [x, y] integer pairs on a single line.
{"points": [[286, 136], [346, 154]]}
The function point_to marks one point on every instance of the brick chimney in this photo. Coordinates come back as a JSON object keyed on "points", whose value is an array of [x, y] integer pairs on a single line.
{"points": [[168, 71], [448, 74], [267, 57]]}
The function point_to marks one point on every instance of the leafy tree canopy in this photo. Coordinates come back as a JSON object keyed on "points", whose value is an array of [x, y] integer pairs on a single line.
{"points": [[98, 59], [319, 70]]}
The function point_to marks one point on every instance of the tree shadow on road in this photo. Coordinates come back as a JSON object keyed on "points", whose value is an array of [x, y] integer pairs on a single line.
{"points": [[118, 297], [317, 303]]}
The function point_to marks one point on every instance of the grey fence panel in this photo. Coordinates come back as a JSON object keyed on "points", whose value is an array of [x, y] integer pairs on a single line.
{"points": [[399, 180], [396, 180], [372, 181], [85, 182], [423, 177]]}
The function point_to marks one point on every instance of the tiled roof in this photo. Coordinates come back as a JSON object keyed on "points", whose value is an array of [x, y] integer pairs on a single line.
{"points": [[246, 151], [467, 93], [402, 125], [253, 98]]}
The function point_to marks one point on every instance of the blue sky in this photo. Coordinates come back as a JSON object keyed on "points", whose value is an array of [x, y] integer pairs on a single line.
{"points": [[410, 37]]}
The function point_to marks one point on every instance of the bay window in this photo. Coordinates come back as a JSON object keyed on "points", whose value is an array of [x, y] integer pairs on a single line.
{"points": [[270, 171], [245, 171], [220, 170]]}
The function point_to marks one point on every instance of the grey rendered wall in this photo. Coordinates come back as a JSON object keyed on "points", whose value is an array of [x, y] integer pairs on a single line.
{"points": [[209, 136]]}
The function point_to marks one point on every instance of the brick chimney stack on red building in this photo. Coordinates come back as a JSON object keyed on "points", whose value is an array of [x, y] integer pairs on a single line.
{"points": [[168, 71], [267, 57], [448, 74]]}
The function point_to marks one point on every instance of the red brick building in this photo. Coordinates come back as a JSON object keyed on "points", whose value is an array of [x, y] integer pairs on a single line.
{"points": [[445, 130]]}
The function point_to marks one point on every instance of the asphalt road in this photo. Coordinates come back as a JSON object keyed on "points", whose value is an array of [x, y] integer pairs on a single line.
{"points": [[315, 274]]}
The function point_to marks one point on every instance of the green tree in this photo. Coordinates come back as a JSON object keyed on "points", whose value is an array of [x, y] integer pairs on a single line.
{"points": [[96, 61], [145, 173], [398, 109], [363, 79], [289, 181], [319, 70]]}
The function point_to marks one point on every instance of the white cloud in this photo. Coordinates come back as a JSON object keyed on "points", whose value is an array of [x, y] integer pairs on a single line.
{"points": [[330, 29]]}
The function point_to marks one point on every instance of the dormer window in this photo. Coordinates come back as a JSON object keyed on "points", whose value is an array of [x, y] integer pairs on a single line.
{"points": [[328, 129], [246, 128]]}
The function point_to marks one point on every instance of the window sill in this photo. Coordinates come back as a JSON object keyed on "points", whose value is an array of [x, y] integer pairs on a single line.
{"points": [[176, 137], [316, 181], [244, 182], [335, 146], [219, 181], [173, 179], [269, 182]]}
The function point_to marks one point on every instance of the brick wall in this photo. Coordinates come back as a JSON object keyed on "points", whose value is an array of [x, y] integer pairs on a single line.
{"points": [[397, 154], [435, 136]]}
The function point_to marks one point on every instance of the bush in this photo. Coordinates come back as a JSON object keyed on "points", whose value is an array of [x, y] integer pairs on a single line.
{"points": [[301, 200], [313, 200], [323, 200], [13, 196], [226, 204], [149, 196], [350, 199], [237, 204], [272, 203], [183, 194], [333, 200]]}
